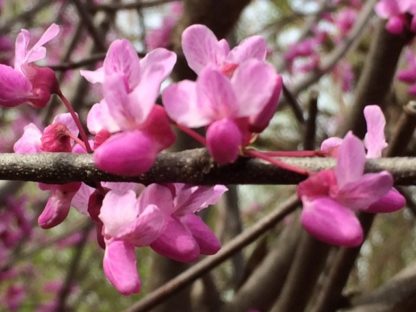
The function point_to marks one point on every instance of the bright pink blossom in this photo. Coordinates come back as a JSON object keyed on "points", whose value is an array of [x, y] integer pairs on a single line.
{"points": [[186, 236], [331, 197], [129, 222], [140, 128], [26, 82], [202, 48], [57, 137], [229, 107]]}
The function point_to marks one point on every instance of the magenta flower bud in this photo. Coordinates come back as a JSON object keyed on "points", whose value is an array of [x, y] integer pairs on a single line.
{"points": [[395, 25], [223, 141], [56, 138], [390, 202], [128, 153], [44, 84]]}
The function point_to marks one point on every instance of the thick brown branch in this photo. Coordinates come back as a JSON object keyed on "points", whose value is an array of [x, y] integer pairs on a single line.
{"points": [[190, 166]]}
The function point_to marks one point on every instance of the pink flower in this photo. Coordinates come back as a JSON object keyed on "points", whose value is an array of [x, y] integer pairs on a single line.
{"points": [[408, 74], [57, 137], [140, 128], [331, 197], [375, 143], [128, 223], [395, 11], [229, 107], [26, 82], [160, 37], [201, 48], [186, 236]]}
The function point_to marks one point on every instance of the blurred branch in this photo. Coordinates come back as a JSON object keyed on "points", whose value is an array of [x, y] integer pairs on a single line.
{"points": [[112, 7], [245, 238]]}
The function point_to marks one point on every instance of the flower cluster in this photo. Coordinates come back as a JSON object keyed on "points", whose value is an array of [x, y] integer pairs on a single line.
{"points": [[234, 97]]}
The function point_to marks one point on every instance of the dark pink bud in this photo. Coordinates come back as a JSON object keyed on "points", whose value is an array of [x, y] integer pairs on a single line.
{"points": [[56, 138], [44, 83], [224, 139], [128, 153]]}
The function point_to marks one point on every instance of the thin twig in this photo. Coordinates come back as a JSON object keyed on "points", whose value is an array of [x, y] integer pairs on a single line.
{"points": [[112, 7]]}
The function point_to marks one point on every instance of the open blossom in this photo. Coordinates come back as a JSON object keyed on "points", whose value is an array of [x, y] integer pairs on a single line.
{"points": [[130, 129], [331, 197], [57, 137], [202, 48], [395, 12], [224, 105], [186, 236], [26, 82]]}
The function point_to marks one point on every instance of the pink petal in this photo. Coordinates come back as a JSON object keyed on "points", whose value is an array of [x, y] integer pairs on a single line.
{"points": [[100, 118], [360, 194], [120, 267], [191, 199], [56, 209], [254, 83], [390, 202], [331, 222], [81, 198], [30, 141], [21, 47], [318, 184], [158, 195], [330, 146], [207, 241], [224, 139], [158, 63], [176, 242], [201, 48], [251, 47], [396, 24], [374, 140], [15, 88], [117, 99], [350, 160], [127, 153], [387, 8], [38, 52], [215, 95], [181, 104], [122, 60], [407, 75], [118, 213], [93, 76], [260, 121]]}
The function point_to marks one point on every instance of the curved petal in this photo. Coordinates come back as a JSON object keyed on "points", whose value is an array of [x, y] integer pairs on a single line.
{"points": [[331, 222], [15, 88], [119, 213], [56, 209], [374, 139], [254, 83], [207, 241], [127, 153], [93, 76], [21, 47], [30, 141], [350, 160], [100, 118], [120, 267], [191, 199], [201, 48], [176, 242], [251, 47], [181, 104], [122, 59], [158, 195], [38, 52], [390, 202], [360, 194], [224, 139], [157, 64], [81, 198], [215, 95], [330, 146]]}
